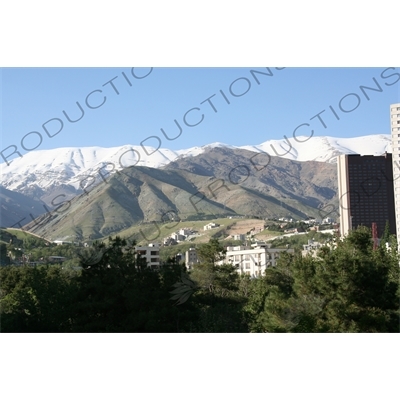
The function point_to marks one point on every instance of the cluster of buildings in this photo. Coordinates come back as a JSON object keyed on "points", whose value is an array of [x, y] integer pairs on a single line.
{"points": [[298, 226], [249, 235], [294, 230], [179, 236], [369, 187]]}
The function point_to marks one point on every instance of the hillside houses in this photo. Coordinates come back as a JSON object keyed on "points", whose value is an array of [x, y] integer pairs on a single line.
{"points": [[239, 236], [179, 236], [211, 225], [294, 230], [257, 229]]}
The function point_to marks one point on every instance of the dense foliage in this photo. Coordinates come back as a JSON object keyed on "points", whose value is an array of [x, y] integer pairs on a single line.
{"points": [[347, 288]]}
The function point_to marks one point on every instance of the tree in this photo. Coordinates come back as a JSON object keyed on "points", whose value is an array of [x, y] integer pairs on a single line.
{"points": [[36, 299], [118, 292], [210, 274], [352, 288], [386, 234], [4, 258], [217, 296], [211, 252]]}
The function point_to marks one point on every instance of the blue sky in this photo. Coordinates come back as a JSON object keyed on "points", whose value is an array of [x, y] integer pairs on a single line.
{"points": [[256, 113]]}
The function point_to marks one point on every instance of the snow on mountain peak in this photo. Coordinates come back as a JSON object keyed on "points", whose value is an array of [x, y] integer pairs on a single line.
{"points": [[72, 165]]}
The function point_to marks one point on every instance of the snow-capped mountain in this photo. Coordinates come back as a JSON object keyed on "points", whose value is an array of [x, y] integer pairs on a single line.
{"points": [[72, 165], [75, 168], [324, 148]]}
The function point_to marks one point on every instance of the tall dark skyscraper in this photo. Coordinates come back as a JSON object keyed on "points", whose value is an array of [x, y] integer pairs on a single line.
{"points": [[366, 192]]}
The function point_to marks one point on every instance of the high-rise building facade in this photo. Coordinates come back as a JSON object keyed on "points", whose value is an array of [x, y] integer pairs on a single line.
{"points": [[366, 195], [395, 132]]}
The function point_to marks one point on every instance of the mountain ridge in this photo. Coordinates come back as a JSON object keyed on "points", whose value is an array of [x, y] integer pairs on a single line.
{"points": [[232, 182], [45, 174]]}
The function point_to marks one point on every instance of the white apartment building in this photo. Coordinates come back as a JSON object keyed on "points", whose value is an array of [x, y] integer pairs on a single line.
{"points": [[252, 261], [395, 132], [247, 260], [150, 253]]}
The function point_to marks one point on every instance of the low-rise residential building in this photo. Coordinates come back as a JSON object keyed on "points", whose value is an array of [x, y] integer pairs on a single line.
{"points": [[260, 243], [62, 242], [211, 225], [239, 236], [311, 248], [256, 229], [150, 253], [294, 230], [185, 231], [169, 242], [312, 221], [177, 237]]}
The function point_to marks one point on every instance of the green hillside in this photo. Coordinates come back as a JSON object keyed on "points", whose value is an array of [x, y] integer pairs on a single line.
{"points": [[155, 232], [17, 236]]}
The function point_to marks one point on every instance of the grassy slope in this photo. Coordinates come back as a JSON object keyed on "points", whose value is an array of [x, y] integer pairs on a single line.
{"points": [[146, 233], [22, 234], [153, 232]]}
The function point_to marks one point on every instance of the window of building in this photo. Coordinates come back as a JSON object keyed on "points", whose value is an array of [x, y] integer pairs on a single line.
{"points": [[247, 265]]}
